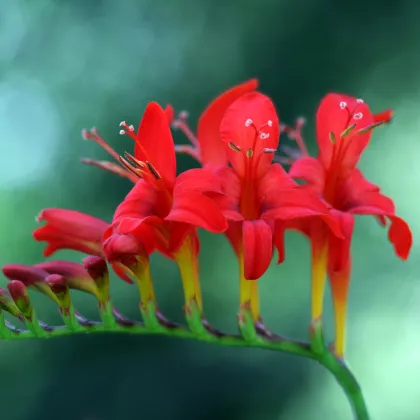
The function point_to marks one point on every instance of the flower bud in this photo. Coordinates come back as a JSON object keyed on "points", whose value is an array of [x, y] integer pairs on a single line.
{"points": [[20, 295], [32, 277], [76, 276], [7, 303], [59, 287], [98, 271]]}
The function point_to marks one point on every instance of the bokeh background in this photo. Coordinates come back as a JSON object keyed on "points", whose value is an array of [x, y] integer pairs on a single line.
{"points": [[68, 65]]}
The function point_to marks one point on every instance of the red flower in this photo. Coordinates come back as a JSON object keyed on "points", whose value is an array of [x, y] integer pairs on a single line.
{"points": [[69, 229], [257, 192], [173, 206], [164, 210], [344, 126]]}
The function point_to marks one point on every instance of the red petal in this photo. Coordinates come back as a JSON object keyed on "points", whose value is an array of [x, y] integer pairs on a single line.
{"points": [[199, 180], [337, 112], [384, 116], [198, 210], [279, 231], [234, 236], [211, 148], [251, 124], [229, 201], [119, 246], [258, 248], [282, 199], [142, 201], [339, 249], [154, 142], [311, 171], [399, 234], [69, 229], [177, 234], [170, 113]]}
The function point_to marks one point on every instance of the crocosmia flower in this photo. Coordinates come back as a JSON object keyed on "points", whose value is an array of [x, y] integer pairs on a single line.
{"points": [[343, 129], [164, 209]]}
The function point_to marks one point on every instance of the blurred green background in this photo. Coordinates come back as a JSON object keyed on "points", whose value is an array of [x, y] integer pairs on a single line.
{"points": [[68, 65]]}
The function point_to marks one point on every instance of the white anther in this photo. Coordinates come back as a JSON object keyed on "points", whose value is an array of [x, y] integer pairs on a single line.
{"points": [[264, 136], [343, 105], [270, 123], [122, 132], [358, 116], [122, 123], [360, 101], [131, 128], [248, 122]]}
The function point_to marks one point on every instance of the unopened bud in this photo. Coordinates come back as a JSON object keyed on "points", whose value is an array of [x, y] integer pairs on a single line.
{"points": [[59, 287], [7, 303], [98, 270], [76, 276], [20, 295]]}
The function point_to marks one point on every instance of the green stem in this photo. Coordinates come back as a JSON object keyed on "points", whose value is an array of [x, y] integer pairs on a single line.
{"points": [[348, 382], [262, 339]]}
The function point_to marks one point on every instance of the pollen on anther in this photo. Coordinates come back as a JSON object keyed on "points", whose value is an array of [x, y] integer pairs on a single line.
{"points": [[248, 122], [123, 123], [122, 132], [358, 116], [270, 123], [234, 147], [249, 153], [360, 101], [343, 105], [264, 136], [131, 127]]}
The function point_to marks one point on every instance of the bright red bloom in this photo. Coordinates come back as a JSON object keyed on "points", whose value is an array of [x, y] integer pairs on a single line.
{"points": [[344, 127], [257, 191], [69, 229], [163, 208]]}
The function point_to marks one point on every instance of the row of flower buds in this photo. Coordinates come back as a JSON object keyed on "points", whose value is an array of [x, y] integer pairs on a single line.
{"points": [[54, 279]]}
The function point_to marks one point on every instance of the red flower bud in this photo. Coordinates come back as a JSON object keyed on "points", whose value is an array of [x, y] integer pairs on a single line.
{"points": [[20, 295]]}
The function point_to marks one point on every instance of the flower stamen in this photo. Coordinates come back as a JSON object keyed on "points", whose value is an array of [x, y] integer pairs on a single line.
{"points": [[234, 147], [370, 127], [181, 124], [153, 170], [347, 131]]}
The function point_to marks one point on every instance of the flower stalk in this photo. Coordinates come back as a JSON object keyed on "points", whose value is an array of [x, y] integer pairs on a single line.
{"points": [[250, 337]]}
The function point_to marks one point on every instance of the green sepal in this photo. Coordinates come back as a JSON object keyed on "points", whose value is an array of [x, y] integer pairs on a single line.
{"points": [[194, 318], [107, 316], [5, 333], [149, 314], [8, 304], [246, 323], [316, 337]]}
